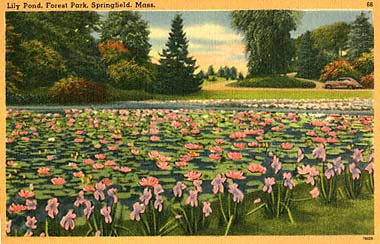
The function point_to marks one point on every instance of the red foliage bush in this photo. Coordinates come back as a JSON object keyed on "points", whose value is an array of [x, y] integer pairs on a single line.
{"points": [[338, 68], [77, 90], [368, 81]]}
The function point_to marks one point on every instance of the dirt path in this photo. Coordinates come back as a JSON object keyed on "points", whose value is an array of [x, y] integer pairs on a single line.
{"points": [[223, 86]]}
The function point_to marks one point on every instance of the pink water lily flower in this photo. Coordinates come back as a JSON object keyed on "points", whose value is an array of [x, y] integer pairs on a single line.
{"points": [[234, 155], [215, 149], [138, 209], [257, 168], [287, 145], [150, 181], [215, 156], [355, 172], [193, 175], [276, 164], [146, 196], [181, 164], [106, 212], [99, 188], [314, 193], [31, 222], [236, 175], [192, 199], [268, 183], [163, 165], [320, 152], [58, 181], [52, 207], [178, 188], [206, 209], [192, 146], [237, 195], [88, 210], [68, 221]]}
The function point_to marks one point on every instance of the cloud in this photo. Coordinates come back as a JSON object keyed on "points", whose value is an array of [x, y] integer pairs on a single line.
{"points": [[207, 32]]}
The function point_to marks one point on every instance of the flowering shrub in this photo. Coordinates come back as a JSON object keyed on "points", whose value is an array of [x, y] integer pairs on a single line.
{"points": [[368, 81], [365, 64], [77, 90], [338, 69], [113, 51]]}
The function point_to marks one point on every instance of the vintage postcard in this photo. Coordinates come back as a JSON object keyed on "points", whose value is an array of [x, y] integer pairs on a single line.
{"points": [[159, 122]]}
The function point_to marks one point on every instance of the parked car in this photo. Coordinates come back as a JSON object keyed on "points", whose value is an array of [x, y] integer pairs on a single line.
{"points": [[343, 83]]}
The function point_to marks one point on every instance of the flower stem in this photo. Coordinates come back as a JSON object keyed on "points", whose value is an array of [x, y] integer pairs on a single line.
{"points": [[47, 227], [221, 208]]}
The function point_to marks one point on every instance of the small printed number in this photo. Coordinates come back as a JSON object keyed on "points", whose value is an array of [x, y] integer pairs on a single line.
{"points": [[367, 238], [370, 4]]}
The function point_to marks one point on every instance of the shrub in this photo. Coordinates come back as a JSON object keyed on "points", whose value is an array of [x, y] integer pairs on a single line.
{"points": [[113, 51], [275, 82], [130, 76], [338, 69], [364, 64], [41, 64], [77, 90], [128, 95], [367, 81]]}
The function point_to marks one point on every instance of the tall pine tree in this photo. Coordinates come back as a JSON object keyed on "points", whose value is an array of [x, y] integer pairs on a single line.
{"points": [[360, 39], [307, 56], [176, 70]]}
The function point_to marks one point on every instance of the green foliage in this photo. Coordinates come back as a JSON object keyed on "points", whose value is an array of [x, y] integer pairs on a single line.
{"points": [[221, 72], [368, 81], [331, 38], [210, 70], [13, 74], [307, 58], [176, 70], [275, 82], [129, 75], [41, 64], [129, 28], [365, 63], [267, 38], [128, 95], [240, 76], [361, 37], [68, 33], [338, 69], [73, 90], [233, 73]]}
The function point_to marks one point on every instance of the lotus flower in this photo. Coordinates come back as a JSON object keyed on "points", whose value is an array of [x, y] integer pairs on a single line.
{"points": [[276, 164], [178, 188], [217, 184], [192, 199], [31, 222], [268, 183], [68, 221], [206, 209], [237, 195], [287, 146], [314, 193], [106, 212]]}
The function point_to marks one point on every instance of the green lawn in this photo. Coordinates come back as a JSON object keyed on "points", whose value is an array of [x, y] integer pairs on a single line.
{"points": [[269, 94]]}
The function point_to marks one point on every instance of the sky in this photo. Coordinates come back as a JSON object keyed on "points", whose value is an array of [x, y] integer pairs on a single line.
{"points": [[212, 40]]}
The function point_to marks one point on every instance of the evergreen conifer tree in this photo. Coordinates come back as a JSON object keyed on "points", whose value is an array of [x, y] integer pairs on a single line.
{"points": [[307, 57], [360, 39], [176, 72]]}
